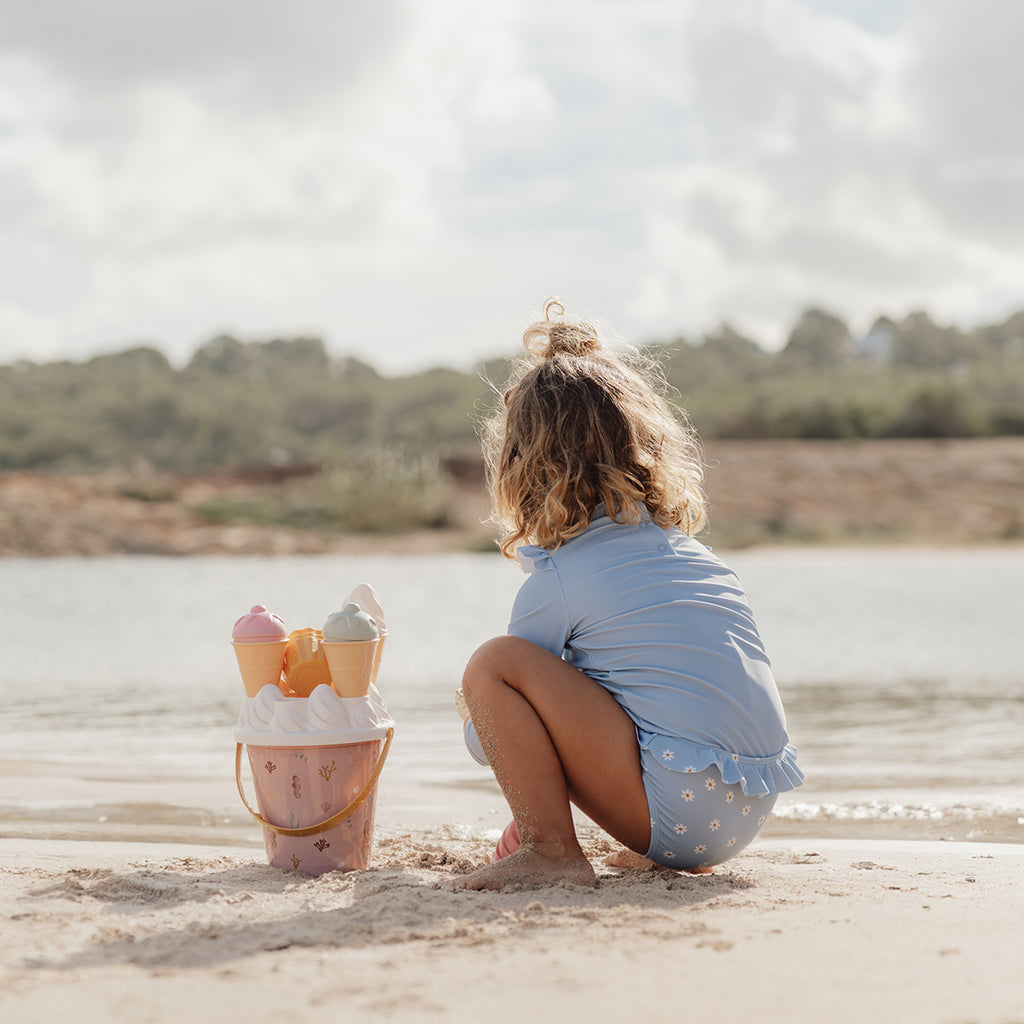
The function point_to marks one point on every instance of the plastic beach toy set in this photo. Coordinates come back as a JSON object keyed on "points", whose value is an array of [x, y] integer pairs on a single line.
{"points": [[316, 730]]}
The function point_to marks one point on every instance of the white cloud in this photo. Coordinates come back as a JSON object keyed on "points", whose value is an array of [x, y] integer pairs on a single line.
{"points": [[255, 51], [816, 178], [185, 214], [966, 81], [411, 180]]}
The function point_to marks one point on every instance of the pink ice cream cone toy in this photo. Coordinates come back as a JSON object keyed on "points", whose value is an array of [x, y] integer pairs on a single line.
{"points": [[259, 638]]}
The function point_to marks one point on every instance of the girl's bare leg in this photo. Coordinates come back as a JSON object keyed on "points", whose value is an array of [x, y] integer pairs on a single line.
{"points": [[552, 736]]}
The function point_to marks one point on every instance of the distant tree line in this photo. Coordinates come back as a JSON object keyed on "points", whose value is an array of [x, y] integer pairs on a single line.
{"points": [[284, 402], [908, 378]]}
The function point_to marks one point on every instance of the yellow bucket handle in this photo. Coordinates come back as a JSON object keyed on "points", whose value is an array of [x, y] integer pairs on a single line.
{"points": [[334, 819]]}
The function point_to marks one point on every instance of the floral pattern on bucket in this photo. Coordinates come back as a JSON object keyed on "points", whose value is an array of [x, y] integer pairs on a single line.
{"points": [[307, 796]]}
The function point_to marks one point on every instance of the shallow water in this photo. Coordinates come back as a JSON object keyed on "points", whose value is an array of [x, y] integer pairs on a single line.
{"points": [[902, 671]]}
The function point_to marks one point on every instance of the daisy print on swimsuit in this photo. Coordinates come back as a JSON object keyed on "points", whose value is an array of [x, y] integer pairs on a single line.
{"points": [[709, 783], [687, 795], [667, 755]]}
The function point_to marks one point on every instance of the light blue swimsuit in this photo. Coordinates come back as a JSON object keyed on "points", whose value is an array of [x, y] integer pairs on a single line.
{"points": [[657, 619]]}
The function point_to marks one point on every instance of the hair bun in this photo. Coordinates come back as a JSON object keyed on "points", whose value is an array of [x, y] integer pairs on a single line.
{"points": [[555, 337]]}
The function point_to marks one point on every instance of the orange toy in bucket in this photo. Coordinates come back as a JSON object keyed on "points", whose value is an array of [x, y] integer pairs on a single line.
{"points": [[305, 666]]}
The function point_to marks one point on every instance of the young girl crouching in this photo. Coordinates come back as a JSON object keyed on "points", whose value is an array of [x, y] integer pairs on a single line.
{"points": [[633, 682]]}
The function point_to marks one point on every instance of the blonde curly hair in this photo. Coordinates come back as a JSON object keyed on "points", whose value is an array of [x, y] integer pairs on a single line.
{"points": [[581, 426]]}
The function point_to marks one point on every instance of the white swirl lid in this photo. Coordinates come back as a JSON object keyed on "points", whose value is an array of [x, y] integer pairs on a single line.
{"points": [[322, 719]]}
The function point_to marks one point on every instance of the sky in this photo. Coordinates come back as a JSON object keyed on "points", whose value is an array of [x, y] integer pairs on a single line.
{"points": [[411, 180]]}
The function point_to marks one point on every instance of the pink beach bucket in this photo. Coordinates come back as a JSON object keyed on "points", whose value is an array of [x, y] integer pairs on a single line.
{"points": [[316, 803]]}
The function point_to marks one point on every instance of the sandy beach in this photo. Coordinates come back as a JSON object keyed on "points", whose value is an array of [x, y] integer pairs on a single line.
{"points": [[105, 927]]}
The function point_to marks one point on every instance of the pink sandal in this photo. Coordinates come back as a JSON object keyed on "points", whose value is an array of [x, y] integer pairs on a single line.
{"points": [[508, 843]]}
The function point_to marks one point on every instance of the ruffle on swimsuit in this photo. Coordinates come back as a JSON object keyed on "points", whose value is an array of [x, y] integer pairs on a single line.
{"points": [[530, 557], [759, 776]]}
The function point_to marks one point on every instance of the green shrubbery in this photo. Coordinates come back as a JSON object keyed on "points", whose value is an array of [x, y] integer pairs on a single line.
{"points": [[241, 404], [908, 379], [234, 405], [385, 493]]}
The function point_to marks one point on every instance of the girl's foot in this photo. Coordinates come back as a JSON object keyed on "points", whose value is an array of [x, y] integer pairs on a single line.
{"points": [[630, 860], [527, 866]]}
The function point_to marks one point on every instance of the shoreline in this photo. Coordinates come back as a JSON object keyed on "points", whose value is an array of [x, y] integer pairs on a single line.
{"points": [[66, 801], [790, 930]]}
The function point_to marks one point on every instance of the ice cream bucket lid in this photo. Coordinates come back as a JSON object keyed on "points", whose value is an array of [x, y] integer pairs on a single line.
{"points": [[270, 719]]}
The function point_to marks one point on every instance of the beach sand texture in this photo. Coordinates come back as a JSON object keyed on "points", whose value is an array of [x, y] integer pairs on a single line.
{"points": [[833, 930]]}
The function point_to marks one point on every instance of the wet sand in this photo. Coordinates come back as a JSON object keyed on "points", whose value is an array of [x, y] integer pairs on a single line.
{"points": [[792, 930]]}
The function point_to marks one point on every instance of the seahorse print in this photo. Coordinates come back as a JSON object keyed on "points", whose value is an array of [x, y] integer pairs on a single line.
{"points": [[296, 786]]}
